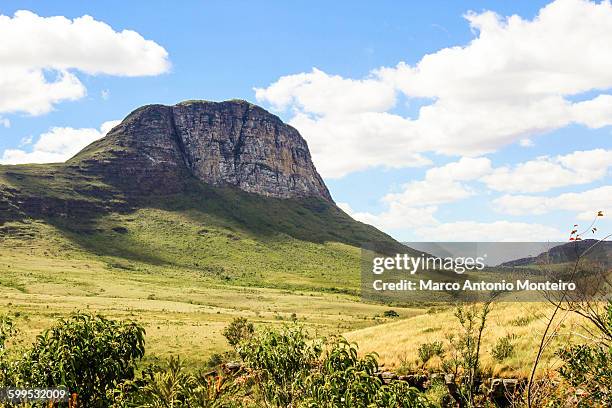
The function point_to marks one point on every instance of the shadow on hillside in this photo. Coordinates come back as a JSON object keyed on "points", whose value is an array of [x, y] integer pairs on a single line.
{"points": [[75, 203]]}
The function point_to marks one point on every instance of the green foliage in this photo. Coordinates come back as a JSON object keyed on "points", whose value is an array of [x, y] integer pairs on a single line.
{"points": [[503, 348], [589, 369], [240, 329], [88, 354], [291, 370], [7, 330], [522, 321], [344, 379], [429, 350], [465, 346], [175, 387], [280, 361], [390, 313], [398, 394]]}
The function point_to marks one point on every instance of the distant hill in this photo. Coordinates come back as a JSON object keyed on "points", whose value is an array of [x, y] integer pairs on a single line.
{"points": [[588, 249]]}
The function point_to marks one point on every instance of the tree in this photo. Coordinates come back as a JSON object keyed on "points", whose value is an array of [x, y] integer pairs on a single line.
{"points": [[238, 330], [86, 353]]}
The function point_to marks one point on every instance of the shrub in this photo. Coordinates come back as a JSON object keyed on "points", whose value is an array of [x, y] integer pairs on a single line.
{"points": [[346, 380], [390, 313], [588, 368], [429, 350], [399, 394], [88, 354], [465, 350], [175, 387], [503, 348], [7, 330], [238, 330], [280, 361]]}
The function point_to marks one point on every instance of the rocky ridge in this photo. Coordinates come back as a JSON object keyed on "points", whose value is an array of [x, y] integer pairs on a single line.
{"points": [[221, 143]]}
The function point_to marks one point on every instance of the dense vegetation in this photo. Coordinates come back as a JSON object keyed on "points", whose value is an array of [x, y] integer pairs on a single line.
{"points": [[96, 358]]}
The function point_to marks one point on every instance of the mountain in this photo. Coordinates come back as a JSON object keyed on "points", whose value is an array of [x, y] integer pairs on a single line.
{"points": [[230, 143], [224, 188], [588, 249]]}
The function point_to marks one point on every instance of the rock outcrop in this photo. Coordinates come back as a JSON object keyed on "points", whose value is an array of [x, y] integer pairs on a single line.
{"points": [[221, 143]]}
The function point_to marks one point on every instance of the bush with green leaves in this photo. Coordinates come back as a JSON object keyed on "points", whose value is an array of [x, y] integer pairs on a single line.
{"points": [[503, 348], [86, 353], [7, 330], [390, 313], [464, 350], [347, 380], [280, 360], [399, 394], [588, 367], [343, 379], [429, 350], [289, 369], [176, 387], [238, 330]]}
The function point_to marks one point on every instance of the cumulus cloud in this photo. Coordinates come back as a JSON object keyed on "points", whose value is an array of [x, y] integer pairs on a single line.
{"points": [[418, 201], [441, 184], [396, 217], [585, 203], [424, 225], [41, 54], [545, 173], [57, 145], [513, 81]]}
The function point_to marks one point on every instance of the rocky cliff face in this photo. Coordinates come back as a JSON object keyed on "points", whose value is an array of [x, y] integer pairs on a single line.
{"points": [[227, 143]]}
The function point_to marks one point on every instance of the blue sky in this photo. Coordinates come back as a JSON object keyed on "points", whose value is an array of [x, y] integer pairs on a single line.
{"points": [[219, 50]]}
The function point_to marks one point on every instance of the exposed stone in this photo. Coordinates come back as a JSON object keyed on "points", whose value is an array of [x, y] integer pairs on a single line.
{"points": [[221, 143], [503, 390], [387, 376]]}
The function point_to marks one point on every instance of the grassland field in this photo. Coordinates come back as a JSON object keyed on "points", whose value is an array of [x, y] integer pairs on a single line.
{"points": [[185, 277]]}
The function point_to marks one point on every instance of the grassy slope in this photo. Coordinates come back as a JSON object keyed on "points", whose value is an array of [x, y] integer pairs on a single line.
{"points": [[182, 284], [397, 342], [183, 265]]}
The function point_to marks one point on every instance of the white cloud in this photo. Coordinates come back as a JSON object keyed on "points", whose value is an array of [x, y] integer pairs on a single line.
{"points": [[526, 142], [465, 169], [5, 122], [40, 54], [583, 203], [320, 93], [416, 204], [105, 94], [397, 217], [442, 184], [57, 145], [421, 221], [545, 173], [511, 82], [494, 231], [345, 143], [26, 140]]}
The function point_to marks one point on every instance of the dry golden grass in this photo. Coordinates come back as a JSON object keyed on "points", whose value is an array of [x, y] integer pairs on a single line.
{"points": [[397, 342], [182, 311]]}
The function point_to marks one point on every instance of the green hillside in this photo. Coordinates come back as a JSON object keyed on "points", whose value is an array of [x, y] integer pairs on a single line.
{"points": [[183, 264], [221, 233]]}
